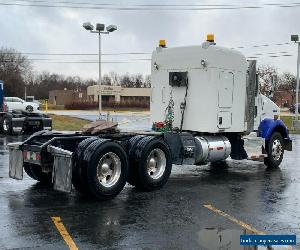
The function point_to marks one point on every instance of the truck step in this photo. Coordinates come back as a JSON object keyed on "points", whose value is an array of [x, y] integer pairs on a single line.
{"points": [[259, 158]]}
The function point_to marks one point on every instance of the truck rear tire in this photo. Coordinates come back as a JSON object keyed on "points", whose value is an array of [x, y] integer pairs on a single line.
{"points": [[78, 180], [39, 175], [27, 170], [151, 164], [107, 171], [274, 148], [130, 148], [6, 125]]}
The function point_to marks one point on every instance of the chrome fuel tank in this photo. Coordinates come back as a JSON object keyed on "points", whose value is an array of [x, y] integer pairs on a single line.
{"points": [[211, 148]]}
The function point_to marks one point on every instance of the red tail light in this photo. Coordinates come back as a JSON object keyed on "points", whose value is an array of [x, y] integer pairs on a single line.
{"points": [[4, 107], [38, 157]]}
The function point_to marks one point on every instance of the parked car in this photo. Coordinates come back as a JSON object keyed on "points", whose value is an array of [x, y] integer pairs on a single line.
{"points": [[16, 103], [293, 107]]}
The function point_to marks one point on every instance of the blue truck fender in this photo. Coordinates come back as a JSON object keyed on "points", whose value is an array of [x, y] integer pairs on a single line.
{"points": [[268, 126]]}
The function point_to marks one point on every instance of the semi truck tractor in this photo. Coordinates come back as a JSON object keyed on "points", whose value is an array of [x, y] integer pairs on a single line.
{"points": [[20, 121], [204, 103]]}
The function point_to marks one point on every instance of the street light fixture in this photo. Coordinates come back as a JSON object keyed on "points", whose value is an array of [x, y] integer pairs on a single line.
{"points": [[100, 27], [296, 123], [111, 28], [88, 26], [294, 38]]}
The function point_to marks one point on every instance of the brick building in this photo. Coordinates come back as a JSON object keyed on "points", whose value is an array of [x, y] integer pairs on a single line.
{"points": [[284, 98], [63, 97], [110, 94], [117, 94]]}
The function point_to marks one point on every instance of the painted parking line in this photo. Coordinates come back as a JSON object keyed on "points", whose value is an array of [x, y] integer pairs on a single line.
{"points": [[234, 220], [64, 233]]}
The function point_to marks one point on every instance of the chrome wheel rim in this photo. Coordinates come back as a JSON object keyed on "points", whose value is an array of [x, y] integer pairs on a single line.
{"points": [[276, 149], [156, 163], [5, 125], [109, 169]]}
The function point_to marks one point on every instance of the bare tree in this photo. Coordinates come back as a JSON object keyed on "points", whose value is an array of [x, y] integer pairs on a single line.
{"points": [[40, 84], [147, 81], [106, 80], [15, 71], [138, 80], [90, 82], [288, 84], [126, 81], [115, 79], [266, 75]]}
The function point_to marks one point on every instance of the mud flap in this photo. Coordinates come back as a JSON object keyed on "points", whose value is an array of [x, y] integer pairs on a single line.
{"points": [[254, 147], [15, 161], [62, 169], [288, 144]]}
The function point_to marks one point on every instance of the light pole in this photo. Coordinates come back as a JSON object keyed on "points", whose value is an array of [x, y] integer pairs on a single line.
{"points": [[99, 30], [295, 38]]}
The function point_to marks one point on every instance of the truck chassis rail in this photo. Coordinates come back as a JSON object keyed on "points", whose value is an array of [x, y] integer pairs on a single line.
{"points": [[101, 165]]}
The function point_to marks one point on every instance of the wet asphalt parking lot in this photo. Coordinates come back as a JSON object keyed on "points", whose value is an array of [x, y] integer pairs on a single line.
{"points": [[171, 218]]}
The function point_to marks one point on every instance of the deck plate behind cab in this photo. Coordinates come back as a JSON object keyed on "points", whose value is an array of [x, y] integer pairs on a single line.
{"points": [[101, 126]]}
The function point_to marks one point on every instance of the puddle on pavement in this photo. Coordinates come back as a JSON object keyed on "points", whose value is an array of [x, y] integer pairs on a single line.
{"points": [[227, 239]]}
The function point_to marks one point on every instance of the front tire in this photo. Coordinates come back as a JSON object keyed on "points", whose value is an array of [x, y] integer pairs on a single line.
{"points": [[274, 148]]}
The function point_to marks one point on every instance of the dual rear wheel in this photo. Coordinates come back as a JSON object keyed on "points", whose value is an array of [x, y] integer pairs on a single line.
{"points": [[107, 171], [101, 167], [150, 163]]}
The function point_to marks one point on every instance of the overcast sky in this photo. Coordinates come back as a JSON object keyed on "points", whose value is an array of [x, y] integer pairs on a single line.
{"points": [[59, 30]]}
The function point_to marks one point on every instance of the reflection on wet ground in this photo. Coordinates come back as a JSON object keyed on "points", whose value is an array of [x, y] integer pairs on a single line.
{"points": [[211, 238], [170, 218]]}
